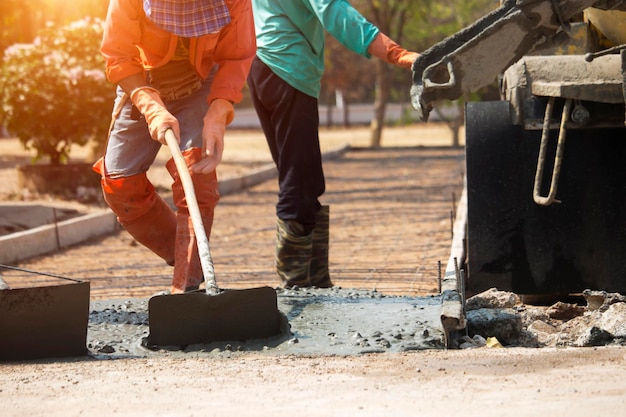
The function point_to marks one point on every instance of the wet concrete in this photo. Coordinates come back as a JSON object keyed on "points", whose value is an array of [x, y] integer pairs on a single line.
{"points": [[315, 322]]}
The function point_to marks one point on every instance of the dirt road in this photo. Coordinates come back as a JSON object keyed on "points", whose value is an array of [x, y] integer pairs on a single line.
{"points": [[478, 382]]}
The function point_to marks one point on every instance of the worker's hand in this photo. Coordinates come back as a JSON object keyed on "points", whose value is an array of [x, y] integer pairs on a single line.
{"points": [[407, 58], [221, 112], [149, 103], [384, 48]]}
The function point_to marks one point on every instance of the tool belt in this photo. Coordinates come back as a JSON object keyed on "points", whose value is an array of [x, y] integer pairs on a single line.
{"points": [[175, 80]]}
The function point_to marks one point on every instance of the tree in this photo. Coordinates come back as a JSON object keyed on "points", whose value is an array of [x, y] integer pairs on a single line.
{"points": [[391, 17], [346, 74], [54, 90], [416, 25], [20, 20], [447, 18]]}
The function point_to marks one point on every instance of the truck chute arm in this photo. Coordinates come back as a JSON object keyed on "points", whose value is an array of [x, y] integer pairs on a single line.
{"points": [[475, 56]]}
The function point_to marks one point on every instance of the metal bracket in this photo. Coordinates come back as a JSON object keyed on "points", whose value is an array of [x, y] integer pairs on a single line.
{"points": [[560, 147]]}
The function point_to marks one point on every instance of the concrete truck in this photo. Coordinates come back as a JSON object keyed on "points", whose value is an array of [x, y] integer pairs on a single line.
{"points": [[546, 164]]}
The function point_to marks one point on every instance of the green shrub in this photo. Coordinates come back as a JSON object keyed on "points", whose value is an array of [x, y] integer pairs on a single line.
{"points": [[54, 90]]}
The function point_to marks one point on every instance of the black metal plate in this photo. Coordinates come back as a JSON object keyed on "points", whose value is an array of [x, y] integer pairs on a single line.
{"points": [[44, 322], [185, 319]]}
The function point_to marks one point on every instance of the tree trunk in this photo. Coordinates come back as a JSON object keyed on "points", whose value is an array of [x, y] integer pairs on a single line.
{"points": [[455, 136], [342, 104], [380, 104], [329, 111], [454, 124], [457, 123]]}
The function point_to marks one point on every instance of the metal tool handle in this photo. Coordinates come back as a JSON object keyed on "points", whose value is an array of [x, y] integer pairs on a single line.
{"points": [[194, 211]]}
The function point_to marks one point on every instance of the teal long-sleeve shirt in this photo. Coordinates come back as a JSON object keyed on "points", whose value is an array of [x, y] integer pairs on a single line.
{"points": [[290, 37]]}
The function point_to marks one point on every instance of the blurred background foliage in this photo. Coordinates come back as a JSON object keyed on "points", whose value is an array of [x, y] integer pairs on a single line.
{"points": [[54, 90]]}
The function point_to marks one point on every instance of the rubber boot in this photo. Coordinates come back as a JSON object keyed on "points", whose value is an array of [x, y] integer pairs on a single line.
{"points": [[141, 211], [187, 268], [318, 272], [294, 247]]}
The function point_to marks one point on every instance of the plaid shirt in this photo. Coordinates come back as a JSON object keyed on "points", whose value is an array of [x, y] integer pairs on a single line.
{"points": [[188, 18]]}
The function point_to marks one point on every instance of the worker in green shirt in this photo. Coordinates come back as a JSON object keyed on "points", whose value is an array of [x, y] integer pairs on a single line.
{"points": [[284, 82]]}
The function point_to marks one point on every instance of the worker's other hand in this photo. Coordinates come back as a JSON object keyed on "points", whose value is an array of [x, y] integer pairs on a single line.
{"points": [[149, 103], [384, 48], [221, 112]]}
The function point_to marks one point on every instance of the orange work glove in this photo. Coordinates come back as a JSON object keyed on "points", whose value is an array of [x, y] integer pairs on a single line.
{"points": [[384, 48], [149, 103], [221, 112]]}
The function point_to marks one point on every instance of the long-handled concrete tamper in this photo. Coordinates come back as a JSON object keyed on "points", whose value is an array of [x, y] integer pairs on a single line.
{"points": [[213, 315]]}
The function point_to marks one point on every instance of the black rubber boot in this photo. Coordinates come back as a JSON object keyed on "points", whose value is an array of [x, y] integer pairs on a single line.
{"points": [[293, 253], [319, 275]]}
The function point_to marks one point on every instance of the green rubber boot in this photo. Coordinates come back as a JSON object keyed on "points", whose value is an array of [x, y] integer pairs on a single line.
{"points": [[293, 253], [319, 275]]}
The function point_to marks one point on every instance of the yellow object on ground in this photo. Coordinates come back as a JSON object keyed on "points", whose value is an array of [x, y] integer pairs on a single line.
{"points": [[493, 342]]}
